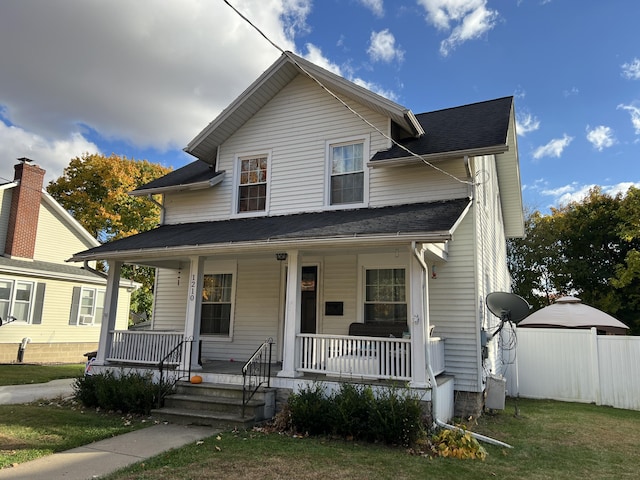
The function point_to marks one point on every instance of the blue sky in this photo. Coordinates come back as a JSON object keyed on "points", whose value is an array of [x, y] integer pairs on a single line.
{"points": [[141, 79]]}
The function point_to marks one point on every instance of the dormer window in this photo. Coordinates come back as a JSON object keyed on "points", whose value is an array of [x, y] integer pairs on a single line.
{"points": [[347, 172], [253, 183]]}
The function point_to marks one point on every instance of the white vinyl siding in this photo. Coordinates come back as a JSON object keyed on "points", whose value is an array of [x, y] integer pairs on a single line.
{"points": [[340, 281], [417, 183], [257, 304], [5, 210], [170, 303], [295, 126]]}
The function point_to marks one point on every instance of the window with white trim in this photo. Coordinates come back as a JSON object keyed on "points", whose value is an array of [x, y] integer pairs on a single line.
{"points": [[87, 306], [16, 300], [217, 304], [385, 295], [253, 183], [347, 172]]}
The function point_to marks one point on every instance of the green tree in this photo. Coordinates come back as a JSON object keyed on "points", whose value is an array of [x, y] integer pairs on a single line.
{"points": [[94, 189], [588, 248]]}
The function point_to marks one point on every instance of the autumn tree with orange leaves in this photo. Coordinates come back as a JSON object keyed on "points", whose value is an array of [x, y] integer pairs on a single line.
{"points": [[94, 189]]}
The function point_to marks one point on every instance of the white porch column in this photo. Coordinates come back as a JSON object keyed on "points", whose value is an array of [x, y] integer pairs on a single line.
{"points": [[192, 318], [419, 320], [109, 313], [290, 352]]}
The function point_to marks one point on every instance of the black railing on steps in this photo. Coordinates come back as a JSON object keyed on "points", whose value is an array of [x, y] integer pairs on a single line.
{"points": [[256, 372], [173, 360]]}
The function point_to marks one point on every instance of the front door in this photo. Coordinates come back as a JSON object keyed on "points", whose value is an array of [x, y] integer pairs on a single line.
{"points": [[309, 306]]}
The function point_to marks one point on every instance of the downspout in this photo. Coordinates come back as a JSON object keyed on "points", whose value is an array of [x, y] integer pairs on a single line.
{"points": [[432, 377]]}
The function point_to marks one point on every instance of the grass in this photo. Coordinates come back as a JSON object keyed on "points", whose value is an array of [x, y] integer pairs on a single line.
{"points": [[21, 374], [29, 431], [551, 440]]}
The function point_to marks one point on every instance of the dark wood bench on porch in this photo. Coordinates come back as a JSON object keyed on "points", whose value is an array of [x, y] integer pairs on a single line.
{"points": [[386, 329]]}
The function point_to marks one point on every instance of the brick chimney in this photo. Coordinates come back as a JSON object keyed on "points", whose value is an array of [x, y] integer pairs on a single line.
{"points": [[25, 209]]}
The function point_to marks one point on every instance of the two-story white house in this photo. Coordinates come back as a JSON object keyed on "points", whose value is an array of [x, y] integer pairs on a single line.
{"points": [[361, 237]]}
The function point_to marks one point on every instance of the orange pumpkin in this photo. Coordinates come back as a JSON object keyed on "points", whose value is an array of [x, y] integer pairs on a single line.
{"points": [[196, 379]]}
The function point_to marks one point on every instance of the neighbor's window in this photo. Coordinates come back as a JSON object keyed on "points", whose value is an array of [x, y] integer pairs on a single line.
{"points": [[217, 294], [89, 305], [16, 299], [252, 185], [347, 173], [385, 295]]}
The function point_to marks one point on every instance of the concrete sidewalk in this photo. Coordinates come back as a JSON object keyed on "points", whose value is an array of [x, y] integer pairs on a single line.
{"points": [[99, 458], [106, 456], [10, 394]]}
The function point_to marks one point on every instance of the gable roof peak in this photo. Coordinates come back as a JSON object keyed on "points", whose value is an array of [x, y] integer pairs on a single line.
{"points": [[288, 66]]}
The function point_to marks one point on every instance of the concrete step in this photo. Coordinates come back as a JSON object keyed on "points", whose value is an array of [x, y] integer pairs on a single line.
{"points": [[216, 405]]}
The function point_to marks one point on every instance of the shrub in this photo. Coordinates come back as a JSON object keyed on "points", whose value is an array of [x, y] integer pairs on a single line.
{"points": [[310, 410], [397, 417], [393, 416], [351, 410], [129, 392]]}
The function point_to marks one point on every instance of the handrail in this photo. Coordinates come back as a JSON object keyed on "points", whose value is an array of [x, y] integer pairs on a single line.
{"points": [[176, 356], [255, 369]]}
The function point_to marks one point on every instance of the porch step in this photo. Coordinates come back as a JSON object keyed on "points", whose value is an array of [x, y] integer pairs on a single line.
{"points": [[217, 405]]}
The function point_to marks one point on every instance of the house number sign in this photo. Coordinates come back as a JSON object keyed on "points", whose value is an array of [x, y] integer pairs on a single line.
{"points": [[192, 288]]}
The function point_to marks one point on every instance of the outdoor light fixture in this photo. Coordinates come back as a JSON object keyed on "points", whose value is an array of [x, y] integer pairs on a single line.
{"points": [[281, 257]]}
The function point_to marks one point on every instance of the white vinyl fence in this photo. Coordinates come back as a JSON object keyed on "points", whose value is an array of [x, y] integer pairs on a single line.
{"points": [[576, 366]]}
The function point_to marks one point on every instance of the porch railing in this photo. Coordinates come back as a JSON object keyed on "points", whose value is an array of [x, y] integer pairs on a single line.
{"points": [[144, 347], [363, 357], [256, 372]]}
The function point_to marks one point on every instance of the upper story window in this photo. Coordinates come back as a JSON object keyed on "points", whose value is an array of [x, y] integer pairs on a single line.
{"points": [[347, 172], [253, 183]]}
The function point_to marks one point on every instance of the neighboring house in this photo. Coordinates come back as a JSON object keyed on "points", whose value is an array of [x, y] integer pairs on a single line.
{"points": [[51, 310], [302, 222]]}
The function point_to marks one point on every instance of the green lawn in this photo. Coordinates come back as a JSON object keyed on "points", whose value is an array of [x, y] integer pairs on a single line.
{"points": [[20, 374], [551, 440]]}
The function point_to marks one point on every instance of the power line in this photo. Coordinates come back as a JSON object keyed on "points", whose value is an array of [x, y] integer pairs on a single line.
{"points": [[312, 77]]}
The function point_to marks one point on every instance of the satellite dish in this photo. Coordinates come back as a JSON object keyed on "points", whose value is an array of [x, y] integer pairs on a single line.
{"points": [[508, 306]]}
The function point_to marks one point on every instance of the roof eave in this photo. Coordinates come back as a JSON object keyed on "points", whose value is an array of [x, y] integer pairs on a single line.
{"points": [[410, 160], [179, 188], [269, 244]]}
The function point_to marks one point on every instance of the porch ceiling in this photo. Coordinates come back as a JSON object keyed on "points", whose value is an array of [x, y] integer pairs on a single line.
{"points": [[423, 222]]}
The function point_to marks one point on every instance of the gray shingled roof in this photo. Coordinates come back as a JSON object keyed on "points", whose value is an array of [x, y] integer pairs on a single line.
{"points": [[476, 126], [48, 269], [417, 218], [191, 173]]}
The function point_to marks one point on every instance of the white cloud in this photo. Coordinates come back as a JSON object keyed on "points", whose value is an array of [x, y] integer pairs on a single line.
{"points": [[382, 47], [631, 70], [471, 20], [554, 148], [376, 6], [151, 74], [51, 155], [577, 193], [526, 123], [601, 137], [572, 92], [634, 111]]}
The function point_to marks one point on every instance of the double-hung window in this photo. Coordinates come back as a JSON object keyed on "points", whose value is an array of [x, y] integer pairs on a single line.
{"points": [[253, 186], [217, 304], [385, 295], [87, 306], [347, 175], [16, 299]]}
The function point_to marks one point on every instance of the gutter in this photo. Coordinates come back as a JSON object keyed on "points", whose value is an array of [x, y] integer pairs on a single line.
{"points": [[232, 247], [472, 152], [432, 377]]}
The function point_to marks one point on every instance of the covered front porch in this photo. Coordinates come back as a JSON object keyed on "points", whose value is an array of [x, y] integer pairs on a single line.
{"points": [[308, 302]]}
